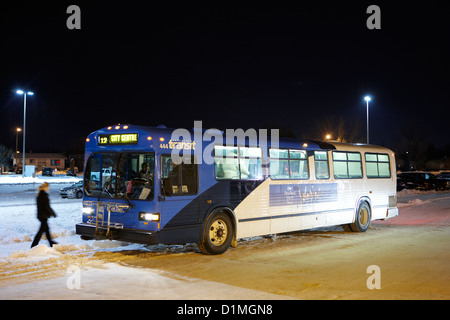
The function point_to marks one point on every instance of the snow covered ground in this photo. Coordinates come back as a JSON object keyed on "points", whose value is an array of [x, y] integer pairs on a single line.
{"points": [[18, 179], [105, 269], [19, 223], [20, 264], [18, 213]]}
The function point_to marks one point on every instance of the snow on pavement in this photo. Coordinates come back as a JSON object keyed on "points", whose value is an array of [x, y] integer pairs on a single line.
{"points": [[18, 179], [24, 271], [102, 265], [415, 206], [114, 281]]}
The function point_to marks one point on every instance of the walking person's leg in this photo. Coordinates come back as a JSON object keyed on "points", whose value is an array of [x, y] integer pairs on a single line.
{"points": [[39, 233], [47, 234]]}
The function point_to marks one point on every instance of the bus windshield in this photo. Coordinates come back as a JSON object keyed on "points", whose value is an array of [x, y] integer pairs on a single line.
{"points": [[125, 175]]}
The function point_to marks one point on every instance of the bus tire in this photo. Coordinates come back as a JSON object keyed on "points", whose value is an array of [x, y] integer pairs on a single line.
{"points": [[217, 234], [362, 219]]}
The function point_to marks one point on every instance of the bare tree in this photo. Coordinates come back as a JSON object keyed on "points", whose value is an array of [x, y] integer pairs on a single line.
{"points": [[5, 156], [339, 129], [412, 145]]}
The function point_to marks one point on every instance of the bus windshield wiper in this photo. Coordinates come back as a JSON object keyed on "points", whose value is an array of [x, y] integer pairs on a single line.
{"points": [[130, 205]]}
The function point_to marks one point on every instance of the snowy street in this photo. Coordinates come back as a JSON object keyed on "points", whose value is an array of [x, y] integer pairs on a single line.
{"points": [[410, 252]]}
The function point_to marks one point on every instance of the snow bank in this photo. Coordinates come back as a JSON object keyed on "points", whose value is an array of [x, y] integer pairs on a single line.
{"points": [[415, 198], [37, 253], [408, 192], [414, 203], [42, 251], [18, 179]]}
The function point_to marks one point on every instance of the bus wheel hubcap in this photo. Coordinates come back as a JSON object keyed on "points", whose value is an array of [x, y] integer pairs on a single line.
{"points": [[218, 232], [363, 217]]}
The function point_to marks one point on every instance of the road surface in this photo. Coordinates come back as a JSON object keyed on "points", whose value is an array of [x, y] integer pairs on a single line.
{"points": [[406, 257]]}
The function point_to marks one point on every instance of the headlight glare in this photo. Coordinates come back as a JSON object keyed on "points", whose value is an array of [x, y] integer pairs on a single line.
{"points": [[88, 210], [148, 216]]}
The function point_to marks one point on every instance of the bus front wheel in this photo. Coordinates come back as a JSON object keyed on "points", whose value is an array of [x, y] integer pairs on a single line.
{"points": [[362, 219], [217, 234]]}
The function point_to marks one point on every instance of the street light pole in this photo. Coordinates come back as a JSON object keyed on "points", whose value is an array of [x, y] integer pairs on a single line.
{"points": [[17, 139], [367, 98], [24, 124]]}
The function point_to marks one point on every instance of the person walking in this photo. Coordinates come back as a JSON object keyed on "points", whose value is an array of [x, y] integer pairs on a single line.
{"points": [[43, 213]]}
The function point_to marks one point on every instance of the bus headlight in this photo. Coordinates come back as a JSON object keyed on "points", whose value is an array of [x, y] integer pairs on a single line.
{"points": [[88, 210], [147, 216]]}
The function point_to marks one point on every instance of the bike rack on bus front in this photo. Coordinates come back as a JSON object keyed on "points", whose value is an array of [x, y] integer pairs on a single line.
{"points": [[110, 207]]}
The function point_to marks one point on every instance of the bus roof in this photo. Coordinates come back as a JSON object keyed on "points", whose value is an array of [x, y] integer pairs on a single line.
{"points": [[359, 147], [164, 133]]}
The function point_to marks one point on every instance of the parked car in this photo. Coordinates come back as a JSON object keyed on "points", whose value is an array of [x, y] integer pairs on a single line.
{"points": [[420, 180], [444, 175], [74, 191], [47, 171], [400, 183], [72, 173]]}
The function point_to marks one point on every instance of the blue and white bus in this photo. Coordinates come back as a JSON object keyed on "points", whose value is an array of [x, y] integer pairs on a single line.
{"points": [[135, 192]]}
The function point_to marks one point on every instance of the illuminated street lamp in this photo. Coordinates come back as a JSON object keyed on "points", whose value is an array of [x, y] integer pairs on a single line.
{"points": [[25, 94], [367, 98]]}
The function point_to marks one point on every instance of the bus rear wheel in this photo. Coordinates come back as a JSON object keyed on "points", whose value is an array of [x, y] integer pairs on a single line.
{"points": [[362, 219], [217, 234]]}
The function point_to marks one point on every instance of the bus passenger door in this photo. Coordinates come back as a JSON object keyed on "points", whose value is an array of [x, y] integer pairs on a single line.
{"points": [[178, 191]]}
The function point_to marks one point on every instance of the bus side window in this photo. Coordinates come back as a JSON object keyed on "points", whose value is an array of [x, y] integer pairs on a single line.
{"points": [[288, 164], [226, 162], [172, 182], [189, 177], [228, 168], [179, 179], [250, 163], [321, 165], [347, 165], [236, 163], [377, 165], [298, 164]]}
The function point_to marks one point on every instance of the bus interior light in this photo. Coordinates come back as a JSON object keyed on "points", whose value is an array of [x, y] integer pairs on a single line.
{"points": [[147, 216]]}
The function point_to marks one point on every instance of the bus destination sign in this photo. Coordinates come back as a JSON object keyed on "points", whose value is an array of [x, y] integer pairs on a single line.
{"points": [[118, 139]]}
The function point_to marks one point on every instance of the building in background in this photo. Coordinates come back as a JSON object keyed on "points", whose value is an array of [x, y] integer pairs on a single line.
{"points": [[41, 160]]}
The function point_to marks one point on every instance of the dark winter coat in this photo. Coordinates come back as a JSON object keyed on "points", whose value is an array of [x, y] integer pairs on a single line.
{"points": [[43, 206]]}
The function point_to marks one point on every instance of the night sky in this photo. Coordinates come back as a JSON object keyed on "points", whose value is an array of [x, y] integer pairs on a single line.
{"points": [[300, 68]]}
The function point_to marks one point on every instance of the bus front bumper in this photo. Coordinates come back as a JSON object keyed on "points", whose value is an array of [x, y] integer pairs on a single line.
{"points": [[88, 231]]}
